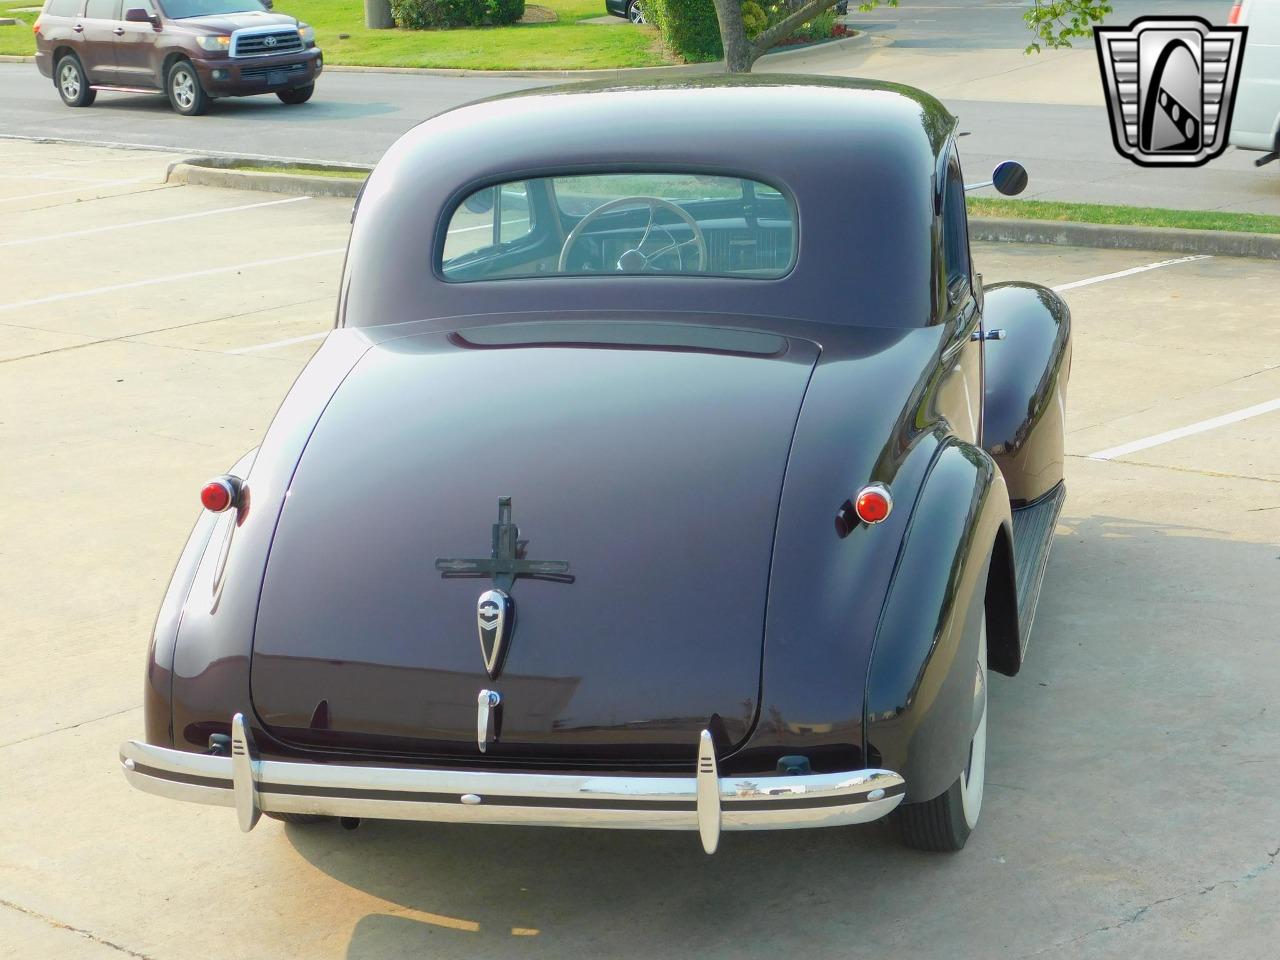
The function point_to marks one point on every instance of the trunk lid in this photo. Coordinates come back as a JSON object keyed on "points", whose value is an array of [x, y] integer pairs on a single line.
{"points": [[649, 458]]}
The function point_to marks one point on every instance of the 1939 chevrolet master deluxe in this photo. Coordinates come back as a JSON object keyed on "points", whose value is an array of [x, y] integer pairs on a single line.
{"points": [[676, 472]]}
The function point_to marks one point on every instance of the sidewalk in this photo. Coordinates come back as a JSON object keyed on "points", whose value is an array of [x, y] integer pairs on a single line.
{"points": [[1068, 77]]}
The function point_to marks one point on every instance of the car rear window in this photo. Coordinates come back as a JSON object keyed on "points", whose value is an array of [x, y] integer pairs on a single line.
{"points": [[621, 224]]}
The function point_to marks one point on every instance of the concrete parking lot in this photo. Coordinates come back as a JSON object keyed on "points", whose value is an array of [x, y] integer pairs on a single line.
{"points": [[147, 333]]}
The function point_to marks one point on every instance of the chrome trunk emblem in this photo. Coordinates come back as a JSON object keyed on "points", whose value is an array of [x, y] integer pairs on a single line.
{"points": [[495, 611], [493, 618]]}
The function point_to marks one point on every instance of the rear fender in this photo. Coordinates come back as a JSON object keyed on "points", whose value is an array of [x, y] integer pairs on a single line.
{"points": [[919, 697], [209, 658], [1024, 385], [158, 691]]}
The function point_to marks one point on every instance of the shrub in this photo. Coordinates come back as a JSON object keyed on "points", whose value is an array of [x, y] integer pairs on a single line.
{"points": [[817, 28], [434, 14], [499, 12], [754, 18], [689, 28]]}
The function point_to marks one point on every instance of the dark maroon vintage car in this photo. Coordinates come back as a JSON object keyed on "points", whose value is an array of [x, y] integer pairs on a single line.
{"points": [[674, 473]]}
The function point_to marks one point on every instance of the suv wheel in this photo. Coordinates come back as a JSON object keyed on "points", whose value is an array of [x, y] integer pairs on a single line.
{"points": [[73, 85], [185, 93], [297, 94], [635, 12]]}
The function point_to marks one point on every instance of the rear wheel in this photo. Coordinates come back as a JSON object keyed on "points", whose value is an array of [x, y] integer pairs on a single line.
{"points": [[635, 12], [298, 817], [944, 823], [185, 93], [297, 94], [73, 84]]}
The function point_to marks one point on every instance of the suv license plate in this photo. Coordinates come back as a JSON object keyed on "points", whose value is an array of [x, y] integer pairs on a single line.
{"points": [[277, 77]]}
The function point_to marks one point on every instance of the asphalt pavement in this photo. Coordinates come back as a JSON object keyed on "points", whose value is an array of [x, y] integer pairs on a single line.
{"points": [[353, 118]]}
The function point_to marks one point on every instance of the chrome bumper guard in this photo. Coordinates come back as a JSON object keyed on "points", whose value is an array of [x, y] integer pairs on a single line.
{"points": [[705, 802]]}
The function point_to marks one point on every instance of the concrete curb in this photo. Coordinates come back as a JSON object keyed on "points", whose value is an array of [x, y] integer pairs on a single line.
{"points": [[616, 73], [221, 172], [1217, 243]]}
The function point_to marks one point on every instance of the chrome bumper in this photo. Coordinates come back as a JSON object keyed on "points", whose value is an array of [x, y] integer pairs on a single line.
{"points": [[705, 802]]}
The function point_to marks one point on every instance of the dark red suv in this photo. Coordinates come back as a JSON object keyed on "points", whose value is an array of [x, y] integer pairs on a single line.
{"points": [[191, 50]]}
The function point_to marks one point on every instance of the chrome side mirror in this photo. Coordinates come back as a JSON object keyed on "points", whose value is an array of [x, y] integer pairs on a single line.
{"points": [[1009, 177]]}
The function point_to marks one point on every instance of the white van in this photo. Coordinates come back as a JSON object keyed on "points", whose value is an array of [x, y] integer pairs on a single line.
{"points": [[1255, 124]]}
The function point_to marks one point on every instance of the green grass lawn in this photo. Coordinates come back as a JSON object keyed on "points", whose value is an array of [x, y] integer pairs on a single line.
{"points": [[1131, 216], [299, 169], [17, 40], [563, 45]]}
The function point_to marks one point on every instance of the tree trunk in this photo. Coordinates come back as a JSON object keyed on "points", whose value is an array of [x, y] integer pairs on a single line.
{"points": [[780, 31], [739, 52], [377, 15]]}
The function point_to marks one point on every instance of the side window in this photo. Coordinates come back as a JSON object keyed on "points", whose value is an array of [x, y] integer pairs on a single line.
{"points": [[488, 218], [63, 8], [955, 229], [102, 10]]}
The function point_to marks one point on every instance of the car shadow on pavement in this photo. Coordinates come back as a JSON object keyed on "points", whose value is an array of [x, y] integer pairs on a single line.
{"points": [[1147, 666], [453, 889]]}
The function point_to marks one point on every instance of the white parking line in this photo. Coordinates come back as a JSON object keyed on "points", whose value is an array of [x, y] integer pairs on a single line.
{"points": [[281, 343], [1213, 423], [213, 271], [53, 176], [1128, 273], [147, 223], [80, 189]]}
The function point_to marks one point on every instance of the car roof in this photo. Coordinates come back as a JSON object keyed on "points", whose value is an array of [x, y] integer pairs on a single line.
{"points": [[834, 111], [857, 157]]}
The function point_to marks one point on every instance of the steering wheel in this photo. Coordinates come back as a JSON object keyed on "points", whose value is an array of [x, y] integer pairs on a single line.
{"points": [[636, 260]]}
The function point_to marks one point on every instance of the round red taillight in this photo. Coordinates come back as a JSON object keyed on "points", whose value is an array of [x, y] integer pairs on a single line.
{"points": [[220, 494], [873, 503]]}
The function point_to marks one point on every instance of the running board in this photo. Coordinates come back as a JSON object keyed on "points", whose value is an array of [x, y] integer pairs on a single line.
{"points": [[107, 88], [1033, 527]]}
